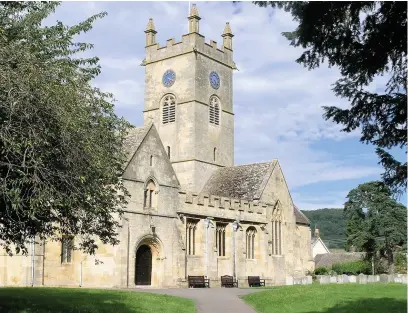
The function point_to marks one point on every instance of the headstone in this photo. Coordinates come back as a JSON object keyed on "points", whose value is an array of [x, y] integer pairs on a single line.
{"points": [[309, 280], [352, 279], [377, 278], [362, 279], [324, 279], [345, 279], [340, 279], [384, 278], [289, 281], [397, 279], [297, 281], [370, 279], [404, 279], [333, 279]]}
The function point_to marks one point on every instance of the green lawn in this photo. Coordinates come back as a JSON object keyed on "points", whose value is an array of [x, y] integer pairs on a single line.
{"points": [[66, 300], [347, 298]]}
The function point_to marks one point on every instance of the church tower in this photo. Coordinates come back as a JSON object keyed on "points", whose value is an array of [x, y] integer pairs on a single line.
{"points": [[188, 96]]}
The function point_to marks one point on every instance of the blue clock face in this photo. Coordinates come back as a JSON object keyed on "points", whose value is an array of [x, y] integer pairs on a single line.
{"points": [[169, 77], [214, 80]]}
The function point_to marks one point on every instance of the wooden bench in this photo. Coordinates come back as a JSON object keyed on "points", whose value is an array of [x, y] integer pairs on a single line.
{"points": [[198, 282], [255, 281], [228, 281]]}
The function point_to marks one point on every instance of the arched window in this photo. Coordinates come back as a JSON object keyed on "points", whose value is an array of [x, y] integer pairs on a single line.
{"points": [[215, 154], [277, 237], [168, 151], [220, 238], [191, 236], [250, 242], [214, 110], [169, 109], [149, 195]]}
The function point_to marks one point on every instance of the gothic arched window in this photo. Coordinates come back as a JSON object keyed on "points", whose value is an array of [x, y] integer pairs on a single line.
{"points": [[214, 110], [169, 109], [250, 242], [149, 194]]}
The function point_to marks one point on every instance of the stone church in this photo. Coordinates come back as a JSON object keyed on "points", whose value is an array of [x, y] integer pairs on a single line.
{"points": [[191, 210]]}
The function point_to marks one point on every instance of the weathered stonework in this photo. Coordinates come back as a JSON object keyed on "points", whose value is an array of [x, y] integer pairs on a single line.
{"points": [[195, 183]]}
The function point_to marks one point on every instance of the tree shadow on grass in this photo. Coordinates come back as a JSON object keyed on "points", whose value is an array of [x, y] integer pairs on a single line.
{"points": [[53, 300], [379, 305]]}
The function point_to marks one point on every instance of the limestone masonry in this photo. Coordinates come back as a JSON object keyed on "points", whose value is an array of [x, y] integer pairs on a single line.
{"points": [[191, 211]]}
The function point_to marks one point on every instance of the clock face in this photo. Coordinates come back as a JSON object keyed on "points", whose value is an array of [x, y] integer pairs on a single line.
{"points": [[214, 80], [169, 77]]}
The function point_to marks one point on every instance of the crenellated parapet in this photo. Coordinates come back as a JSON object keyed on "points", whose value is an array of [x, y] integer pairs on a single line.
{"points": [[193, 42], [224, 207]]}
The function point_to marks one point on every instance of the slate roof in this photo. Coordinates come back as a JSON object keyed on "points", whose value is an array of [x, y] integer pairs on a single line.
{"points": [[240, 182], [300, 217], [328, 259], [133, 140]]}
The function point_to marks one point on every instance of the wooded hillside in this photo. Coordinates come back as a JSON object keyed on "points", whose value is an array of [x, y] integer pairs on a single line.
{"points": [[332, 226]]}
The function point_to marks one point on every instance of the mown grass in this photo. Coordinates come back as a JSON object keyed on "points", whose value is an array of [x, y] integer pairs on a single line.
{"points": [[347, 298], [67, 300]]}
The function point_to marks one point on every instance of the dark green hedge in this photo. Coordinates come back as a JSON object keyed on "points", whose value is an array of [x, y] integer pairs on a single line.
{"points": [[353, 268]]}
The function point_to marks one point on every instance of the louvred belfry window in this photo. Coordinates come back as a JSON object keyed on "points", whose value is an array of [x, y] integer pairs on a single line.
{"points": [[169, 109], [214, 116]]}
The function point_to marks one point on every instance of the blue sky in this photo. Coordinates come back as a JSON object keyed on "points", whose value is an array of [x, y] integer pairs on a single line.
{"points": [[277, 102]]}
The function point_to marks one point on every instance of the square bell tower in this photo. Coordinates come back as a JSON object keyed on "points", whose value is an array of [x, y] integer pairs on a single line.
{"points": [[188, 96]]}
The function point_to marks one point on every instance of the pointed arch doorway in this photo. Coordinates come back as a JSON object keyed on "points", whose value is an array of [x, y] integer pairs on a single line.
{"points": [[143, 266]]}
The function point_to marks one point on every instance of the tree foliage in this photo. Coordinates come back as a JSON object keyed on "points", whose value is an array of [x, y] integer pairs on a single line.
{"points": [[61, 152], [331, 224], [364, 39], [376, 222]]}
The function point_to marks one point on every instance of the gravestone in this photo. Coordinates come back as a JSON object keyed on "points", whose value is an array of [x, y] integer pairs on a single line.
{"points": [[345, 279], [340, 279], [289, 281], [370, 279], [404, 279], [324, 279], [309, 280], [333, 279], [362, 279], [297, 281], [352, 279], [398, 279], [377, 278]]}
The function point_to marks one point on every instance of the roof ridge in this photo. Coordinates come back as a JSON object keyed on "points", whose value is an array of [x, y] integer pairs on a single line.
{"points": [[248, 164]]}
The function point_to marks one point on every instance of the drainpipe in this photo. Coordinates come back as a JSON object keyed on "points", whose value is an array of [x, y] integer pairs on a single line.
{"points": [[235, 228], [32, 262]]}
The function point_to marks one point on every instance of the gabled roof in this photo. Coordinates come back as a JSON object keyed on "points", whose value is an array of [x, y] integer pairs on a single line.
{"points": [[245, 182], [300, 217], [133, 140], [316, 240]]}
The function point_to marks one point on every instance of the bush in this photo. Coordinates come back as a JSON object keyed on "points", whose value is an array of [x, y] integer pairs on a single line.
{"points": [[321, 271], [400, 262], [353, 268]]}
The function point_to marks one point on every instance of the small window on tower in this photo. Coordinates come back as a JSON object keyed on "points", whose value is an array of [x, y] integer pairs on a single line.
{"points": [[168, 151], [151, 160], [169, 109], [215, 154]]}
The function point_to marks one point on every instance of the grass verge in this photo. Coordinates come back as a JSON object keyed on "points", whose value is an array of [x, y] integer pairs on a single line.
{"points": [[347, 298], [67, 300]]}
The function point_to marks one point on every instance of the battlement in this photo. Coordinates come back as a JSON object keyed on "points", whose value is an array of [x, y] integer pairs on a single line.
{"points": [[224, 207], [190, 43]]}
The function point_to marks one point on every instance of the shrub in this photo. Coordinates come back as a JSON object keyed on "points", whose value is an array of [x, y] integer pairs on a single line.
{"points": [[321, 270], [401, 262], [352, 268]]}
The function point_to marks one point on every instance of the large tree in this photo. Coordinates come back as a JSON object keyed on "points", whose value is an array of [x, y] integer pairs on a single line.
{"points": [[61, 152], [377, 223], [364, 39]]}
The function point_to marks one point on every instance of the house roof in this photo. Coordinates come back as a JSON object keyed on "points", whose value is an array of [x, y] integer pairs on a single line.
{"points": [[133, 140], [300, 217], [328, 259], [241, 182]]}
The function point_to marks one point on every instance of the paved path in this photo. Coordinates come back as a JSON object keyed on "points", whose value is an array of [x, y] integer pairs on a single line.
{"points": [[211, 300]]}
